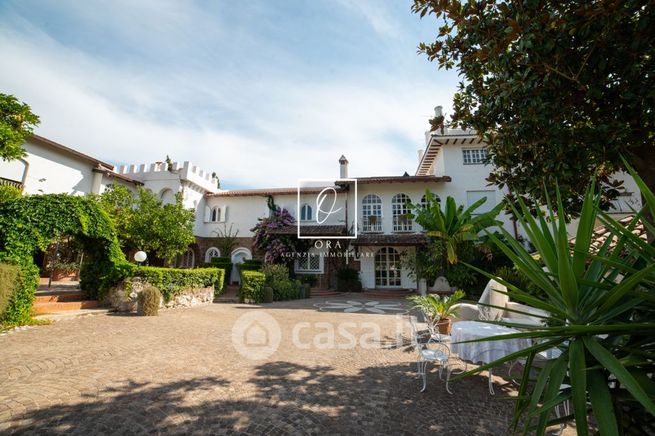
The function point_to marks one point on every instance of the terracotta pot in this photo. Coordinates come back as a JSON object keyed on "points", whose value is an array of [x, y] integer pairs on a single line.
{"points": [[444, 326]]}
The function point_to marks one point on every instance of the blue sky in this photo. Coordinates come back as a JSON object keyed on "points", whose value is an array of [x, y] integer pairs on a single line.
{"points": [[261, 92]]}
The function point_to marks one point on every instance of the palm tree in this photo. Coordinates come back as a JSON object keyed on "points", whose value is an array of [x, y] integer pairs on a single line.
{"points": [[452, 225]]}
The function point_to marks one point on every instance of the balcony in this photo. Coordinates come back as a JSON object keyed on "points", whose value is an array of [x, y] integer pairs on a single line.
{"points": [[9, 182], [372, 224], [402, 224]]}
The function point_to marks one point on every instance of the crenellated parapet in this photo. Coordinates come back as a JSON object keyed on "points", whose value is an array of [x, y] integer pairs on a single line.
{"points": [[186, 172]]}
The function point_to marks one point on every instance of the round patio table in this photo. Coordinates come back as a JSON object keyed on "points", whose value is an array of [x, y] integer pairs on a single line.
{"points": [[484, 352]]}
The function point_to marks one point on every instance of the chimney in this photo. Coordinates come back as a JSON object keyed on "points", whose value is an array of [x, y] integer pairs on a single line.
{"points": [[343, 167], [438, 111]]}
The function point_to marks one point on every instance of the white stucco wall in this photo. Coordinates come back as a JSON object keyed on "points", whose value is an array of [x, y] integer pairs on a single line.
{"points": [[51, 171]]}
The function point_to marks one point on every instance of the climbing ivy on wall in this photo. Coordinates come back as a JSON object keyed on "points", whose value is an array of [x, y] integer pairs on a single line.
{"points": [[32, 223]]}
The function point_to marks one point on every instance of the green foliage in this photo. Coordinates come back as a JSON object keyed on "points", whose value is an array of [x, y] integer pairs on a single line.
{"points": [[308, 279], [348, 280], [172, 281], [250, 265], [145, 223], [149, 300], [225, 263], [601, 312], [252, 286], [32, 223], [284, 288], [461, 277], [437, 307], [17, 287], [557, 89], [17, 122], [520, 280], [452, 226], [9, 193], [226, 239]]}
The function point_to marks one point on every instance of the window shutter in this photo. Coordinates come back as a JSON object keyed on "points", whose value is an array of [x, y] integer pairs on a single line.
{"points": [[223, 214]]}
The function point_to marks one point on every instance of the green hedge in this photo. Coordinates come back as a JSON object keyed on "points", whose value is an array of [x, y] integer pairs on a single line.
{"points": [[348, 280], [224, 263], [172, 281], [250, 265], [252, 286], [17, 287]]}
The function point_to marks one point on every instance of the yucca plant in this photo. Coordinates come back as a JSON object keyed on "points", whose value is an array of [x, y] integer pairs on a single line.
{"points": [[601, 317]]}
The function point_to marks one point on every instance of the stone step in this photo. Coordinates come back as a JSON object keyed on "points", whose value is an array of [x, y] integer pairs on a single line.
{"points": [[397, 294], [58, 297], [52, 307], [233, 300], [323, 293]]}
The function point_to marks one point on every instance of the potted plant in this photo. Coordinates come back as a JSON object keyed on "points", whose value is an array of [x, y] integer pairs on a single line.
{"points": [[438, 309]]}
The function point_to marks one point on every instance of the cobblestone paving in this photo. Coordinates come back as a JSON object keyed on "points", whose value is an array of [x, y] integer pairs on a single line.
{"points": [[178, 373]]}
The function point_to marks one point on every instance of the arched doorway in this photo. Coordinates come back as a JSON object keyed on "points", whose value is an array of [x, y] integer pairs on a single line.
{"points": [[387, 268], [238, 256]]}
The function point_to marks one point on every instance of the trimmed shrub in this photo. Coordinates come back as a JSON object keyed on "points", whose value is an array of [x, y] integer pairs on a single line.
{"points": [[224, 263], [171, 281], [17, 292], [252, 286], [348, 280], [149, 301], [309, 279], [250, 265], [284, 288]]}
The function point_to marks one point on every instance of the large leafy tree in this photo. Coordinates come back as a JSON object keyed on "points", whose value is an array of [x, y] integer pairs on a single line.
{"points": [[143, 222], [557, 89], [17, 122]]}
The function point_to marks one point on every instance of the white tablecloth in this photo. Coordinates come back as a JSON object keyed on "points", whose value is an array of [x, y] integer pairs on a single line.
{"points": [[484, 352]]}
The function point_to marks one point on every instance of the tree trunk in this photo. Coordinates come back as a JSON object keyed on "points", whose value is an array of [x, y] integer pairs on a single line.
{"points": [[645, 167]]}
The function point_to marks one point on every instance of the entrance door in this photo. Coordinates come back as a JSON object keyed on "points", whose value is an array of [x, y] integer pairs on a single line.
{"points": [[238, 256], [387, 268]]}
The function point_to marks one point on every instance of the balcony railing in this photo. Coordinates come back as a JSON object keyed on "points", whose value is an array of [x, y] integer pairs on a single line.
{"points": [[402, 223], [8, 182], [372, 224]]}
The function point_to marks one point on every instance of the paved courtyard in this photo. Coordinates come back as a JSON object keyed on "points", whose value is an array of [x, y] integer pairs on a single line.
{"points": [[179, 373]]}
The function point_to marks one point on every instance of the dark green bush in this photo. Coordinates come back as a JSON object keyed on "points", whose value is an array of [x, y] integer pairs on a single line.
{"points": [[284, 288], [224, 263], [250, 265], [310, 279], [17, 287], [461, 277], [348, 280], [171, 281], [149, 301], [252, 286]]}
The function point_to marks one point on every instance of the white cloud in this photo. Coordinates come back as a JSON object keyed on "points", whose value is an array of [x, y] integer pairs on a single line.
{"points": [[254, 128]]}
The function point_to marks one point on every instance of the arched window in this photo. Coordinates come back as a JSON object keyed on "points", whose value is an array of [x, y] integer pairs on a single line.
{"points": [[211, 253], [215, 215], [306, 213], [187, 260], [424, 199], [387, 268], [400, 213], [372, 213]]}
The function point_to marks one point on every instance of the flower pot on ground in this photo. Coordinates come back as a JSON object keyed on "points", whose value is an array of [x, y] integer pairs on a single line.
{"points": [[444, 325], [438, 309], [268, 294]]}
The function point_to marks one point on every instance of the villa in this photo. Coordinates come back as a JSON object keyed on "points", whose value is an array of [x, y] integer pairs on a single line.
{"points": [[374, 209]]}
